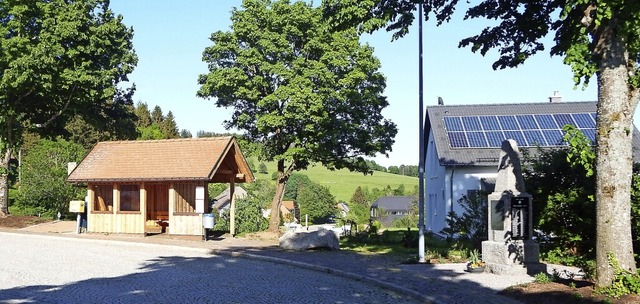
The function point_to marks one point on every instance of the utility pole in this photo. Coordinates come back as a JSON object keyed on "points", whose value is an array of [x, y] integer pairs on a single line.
{"points": [[421, 217]]}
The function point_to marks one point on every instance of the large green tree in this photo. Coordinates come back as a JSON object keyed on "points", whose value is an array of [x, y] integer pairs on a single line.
{"points": [[58, 59], [169, 126], [317, 202], [305, 93], [598, 38]]}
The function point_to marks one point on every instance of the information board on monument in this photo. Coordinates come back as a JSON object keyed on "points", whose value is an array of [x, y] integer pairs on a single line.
{"points": [[520, 218], [497, 214]]}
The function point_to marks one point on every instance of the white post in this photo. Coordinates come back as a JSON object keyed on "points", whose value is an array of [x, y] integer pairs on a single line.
{"points": [[306, 221], [78, 219], [232, 207]]}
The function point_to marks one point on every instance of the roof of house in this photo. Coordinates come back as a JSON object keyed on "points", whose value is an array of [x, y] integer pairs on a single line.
{"points": [[343, 206], [289, 205], [464, 154], [212, 159], [224, 198], [393, 203]]}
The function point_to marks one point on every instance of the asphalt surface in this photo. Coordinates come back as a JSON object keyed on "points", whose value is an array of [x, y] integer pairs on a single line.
{"points": [[45, 269], [396, 282]]}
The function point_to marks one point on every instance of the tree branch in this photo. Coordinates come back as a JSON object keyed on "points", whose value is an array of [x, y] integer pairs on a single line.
{"points": [[25, 95], [50, 120]]}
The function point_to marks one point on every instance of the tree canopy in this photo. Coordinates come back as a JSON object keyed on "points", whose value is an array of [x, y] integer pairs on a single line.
{"points": [[596, 38], [58, 59], [305, 93]]}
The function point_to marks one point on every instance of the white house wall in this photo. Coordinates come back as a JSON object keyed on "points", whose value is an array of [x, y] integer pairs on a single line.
{"points": [[444, 186], [434, 188], [465, 179]]}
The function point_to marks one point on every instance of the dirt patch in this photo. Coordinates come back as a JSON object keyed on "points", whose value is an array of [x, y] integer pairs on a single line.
{"points": [[563, 292], [263, 236], [18, 221]]}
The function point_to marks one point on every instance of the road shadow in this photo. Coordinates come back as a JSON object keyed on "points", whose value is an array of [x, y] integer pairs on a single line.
{"points": [[212, 279], [445, 283]]}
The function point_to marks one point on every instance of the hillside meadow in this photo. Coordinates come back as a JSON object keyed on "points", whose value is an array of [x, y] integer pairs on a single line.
{"points": [[343, 183]]}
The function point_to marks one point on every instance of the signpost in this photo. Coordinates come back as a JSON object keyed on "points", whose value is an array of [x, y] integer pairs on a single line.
{"points": [[78, 208]]}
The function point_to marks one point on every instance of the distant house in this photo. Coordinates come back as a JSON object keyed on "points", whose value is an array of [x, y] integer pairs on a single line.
{"points": [[343, 208], [290, 209], [133, 185], [388, 208], [463, 145], [222, 202]]}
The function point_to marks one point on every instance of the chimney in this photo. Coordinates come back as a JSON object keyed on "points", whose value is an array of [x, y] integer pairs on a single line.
{"points": [[556, 97]]}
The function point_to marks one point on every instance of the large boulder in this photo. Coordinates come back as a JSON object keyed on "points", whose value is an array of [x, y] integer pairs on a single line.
{"points": [[303, 240]]}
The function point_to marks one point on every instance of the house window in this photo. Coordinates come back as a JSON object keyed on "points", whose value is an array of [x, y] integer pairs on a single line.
{"points": [[129, 198], [103, 198], [185, 200]]}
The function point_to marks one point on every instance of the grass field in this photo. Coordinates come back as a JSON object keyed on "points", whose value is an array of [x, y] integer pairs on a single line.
{"points": [[342, 183]]}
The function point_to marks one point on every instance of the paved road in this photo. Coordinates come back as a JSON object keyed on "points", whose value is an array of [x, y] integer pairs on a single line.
{"points": [[46, 269]]}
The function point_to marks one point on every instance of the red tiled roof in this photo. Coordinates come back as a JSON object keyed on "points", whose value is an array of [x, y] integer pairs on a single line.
{"points": [[216, 159], [288, 204]]}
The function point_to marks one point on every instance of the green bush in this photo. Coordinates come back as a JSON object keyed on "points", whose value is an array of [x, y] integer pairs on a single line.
{"points": [[624, 281], [467, 231], [248, 217], [542, 278], [263, 168], [43, 189]]}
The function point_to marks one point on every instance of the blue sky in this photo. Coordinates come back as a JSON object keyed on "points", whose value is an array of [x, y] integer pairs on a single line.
{"points": [[170, 36]]}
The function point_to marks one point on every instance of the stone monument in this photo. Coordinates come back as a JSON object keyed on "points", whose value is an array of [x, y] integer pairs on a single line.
{"points": [[510, 249]]}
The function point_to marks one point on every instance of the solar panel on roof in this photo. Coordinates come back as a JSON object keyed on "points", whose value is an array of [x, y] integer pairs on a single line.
{"points": [[495, 138], [488, 131], [553, 137], [517, 136], [453, 123], [564, 119], [508, 123], [477, 140], [527, 122], [584, 120], [471, 123], [545, 121], [489, 123], [457, 140], [534, 138], [590, 134]]}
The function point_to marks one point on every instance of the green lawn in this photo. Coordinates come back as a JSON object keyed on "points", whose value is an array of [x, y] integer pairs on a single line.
{"points": [[342, 183]]}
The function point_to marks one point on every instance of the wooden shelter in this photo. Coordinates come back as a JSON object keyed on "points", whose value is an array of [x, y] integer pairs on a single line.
{"points": [[136, 186]]}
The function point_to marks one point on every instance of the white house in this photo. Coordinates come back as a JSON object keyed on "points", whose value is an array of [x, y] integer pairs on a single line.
{"points": [[463, 144]]}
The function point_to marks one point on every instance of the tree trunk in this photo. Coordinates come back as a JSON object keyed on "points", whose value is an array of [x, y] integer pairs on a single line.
{"points": [[281, 182], [4, 184], [616, 106]]}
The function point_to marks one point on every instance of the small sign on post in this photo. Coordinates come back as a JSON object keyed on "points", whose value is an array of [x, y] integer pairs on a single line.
{"points": [[78, 208]]}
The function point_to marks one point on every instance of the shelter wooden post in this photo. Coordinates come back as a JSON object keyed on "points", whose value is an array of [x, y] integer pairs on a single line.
{"points": [[143, 202], [116, 207], [232, 208]]}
